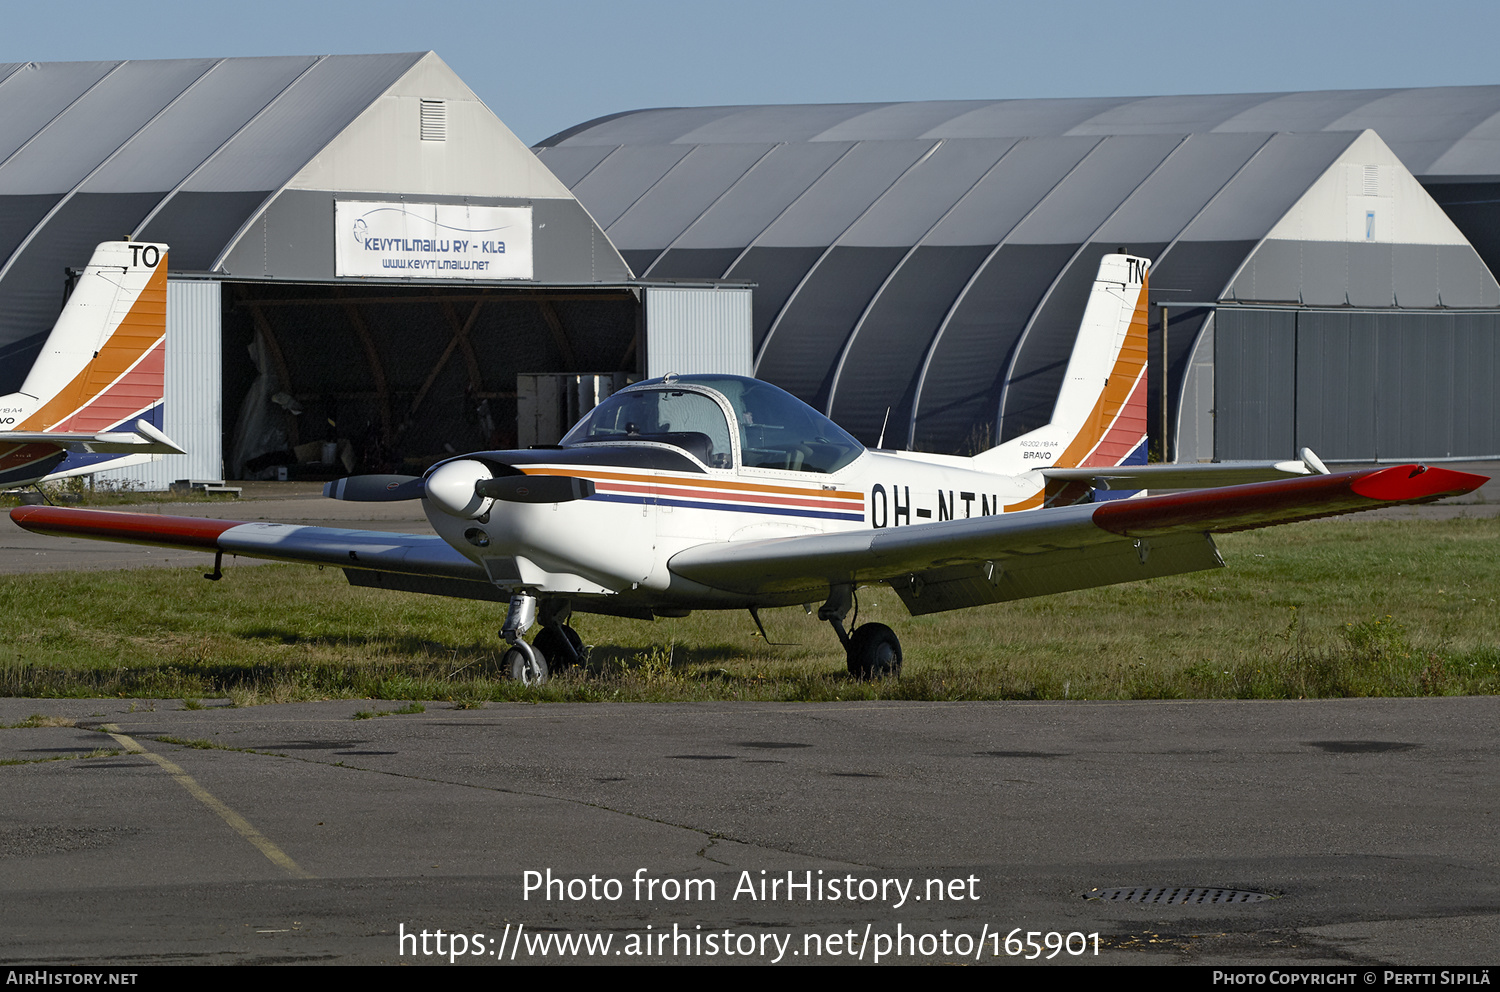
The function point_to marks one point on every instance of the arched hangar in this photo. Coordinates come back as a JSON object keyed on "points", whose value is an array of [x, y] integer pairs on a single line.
{"points": [[920, 267], [364, 259]]}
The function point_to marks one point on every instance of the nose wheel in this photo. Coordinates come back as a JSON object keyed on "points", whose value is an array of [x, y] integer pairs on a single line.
{"points": [[526, 664]]}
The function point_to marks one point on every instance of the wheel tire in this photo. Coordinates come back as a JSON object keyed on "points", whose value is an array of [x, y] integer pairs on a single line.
{"points": [[550, 643], [874, 652], [526, 668]]}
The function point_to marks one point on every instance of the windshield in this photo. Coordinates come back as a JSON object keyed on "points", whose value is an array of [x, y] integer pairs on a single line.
{"points": [[775, 429], [688, 420]]}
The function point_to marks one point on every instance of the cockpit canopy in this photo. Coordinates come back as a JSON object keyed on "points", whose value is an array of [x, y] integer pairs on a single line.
{"points": [[722, 420]]}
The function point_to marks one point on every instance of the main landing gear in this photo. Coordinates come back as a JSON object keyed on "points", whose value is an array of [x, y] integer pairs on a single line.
{"points": [[873, 650], [557, 644]]}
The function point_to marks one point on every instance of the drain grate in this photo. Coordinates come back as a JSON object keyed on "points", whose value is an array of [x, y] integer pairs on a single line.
{"points": [[1181, 896], [1361, 747]]}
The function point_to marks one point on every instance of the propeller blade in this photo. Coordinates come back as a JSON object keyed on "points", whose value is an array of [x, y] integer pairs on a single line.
{"points": [[535, 488], [375, 488]]}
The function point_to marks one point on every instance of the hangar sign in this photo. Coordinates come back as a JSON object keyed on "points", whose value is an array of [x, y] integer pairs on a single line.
{"points": [[431, 240]]}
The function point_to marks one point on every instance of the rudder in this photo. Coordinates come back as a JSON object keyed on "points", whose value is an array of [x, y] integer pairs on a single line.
{"points": [[104, 363], [1100, 414]]}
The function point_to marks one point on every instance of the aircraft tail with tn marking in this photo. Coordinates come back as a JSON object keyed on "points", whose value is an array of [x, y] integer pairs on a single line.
{"points": [[1100, 415]]}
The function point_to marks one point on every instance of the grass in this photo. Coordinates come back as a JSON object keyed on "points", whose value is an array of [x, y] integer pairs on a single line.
{"points": [[195, 742], [1332, 608], [39, 720], [75, 491], [98, 752]]}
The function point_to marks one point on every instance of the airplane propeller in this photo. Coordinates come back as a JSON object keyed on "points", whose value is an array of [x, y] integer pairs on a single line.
{"points": [[535, 488], [375, 488], [463, 488]]}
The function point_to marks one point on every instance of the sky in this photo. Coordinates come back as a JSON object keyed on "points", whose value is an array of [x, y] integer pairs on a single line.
{"points": [[546, 66]]}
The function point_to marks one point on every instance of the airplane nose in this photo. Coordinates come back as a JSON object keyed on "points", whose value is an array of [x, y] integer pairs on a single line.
{"points": [[451, 489]]}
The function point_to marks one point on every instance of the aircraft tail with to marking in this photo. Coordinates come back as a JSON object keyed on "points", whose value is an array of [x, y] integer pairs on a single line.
{"points": [[94, 397], [1100, 416]]}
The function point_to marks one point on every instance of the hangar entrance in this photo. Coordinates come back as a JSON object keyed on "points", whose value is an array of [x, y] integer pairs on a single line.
{"points": [[323, 380], [1355, 385]]}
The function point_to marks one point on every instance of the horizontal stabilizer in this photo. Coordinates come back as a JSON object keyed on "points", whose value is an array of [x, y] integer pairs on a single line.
{"points": [[145, 439], [1207, 476]]}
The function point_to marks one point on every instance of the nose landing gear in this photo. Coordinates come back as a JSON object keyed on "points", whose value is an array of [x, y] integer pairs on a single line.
{"points": [[557, 645], [524, 663]]}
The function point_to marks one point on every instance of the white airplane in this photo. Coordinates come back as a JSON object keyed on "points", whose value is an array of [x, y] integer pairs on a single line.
{"points": [[90, 399], [719, 492]]}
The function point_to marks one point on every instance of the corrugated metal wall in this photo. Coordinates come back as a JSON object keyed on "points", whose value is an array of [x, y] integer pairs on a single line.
{"points": [[193, 413], [1356, 385], [697, 330]]}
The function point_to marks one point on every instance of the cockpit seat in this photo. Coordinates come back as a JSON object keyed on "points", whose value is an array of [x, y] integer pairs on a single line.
{"points": [[695, 443]]}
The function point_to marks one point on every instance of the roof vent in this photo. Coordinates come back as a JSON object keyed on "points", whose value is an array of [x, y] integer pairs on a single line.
{"points": [[434, 120], [1372, 180]]}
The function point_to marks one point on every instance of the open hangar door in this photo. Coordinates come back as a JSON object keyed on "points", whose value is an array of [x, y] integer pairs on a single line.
{"points": [[326, 380]]}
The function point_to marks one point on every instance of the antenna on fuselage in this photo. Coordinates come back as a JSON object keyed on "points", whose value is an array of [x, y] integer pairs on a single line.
{"points": [[881, 442]]}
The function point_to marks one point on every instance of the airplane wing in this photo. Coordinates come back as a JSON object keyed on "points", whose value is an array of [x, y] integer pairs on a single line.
{"points": [[933, 567], [970, 562], [423, 563], [398, 555], [144, 439]]}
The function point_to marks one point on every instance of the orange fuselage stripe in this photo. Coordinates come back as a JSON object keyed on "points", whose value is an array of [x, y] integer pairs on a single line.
{"points": [[661, 490], [763, 490]]}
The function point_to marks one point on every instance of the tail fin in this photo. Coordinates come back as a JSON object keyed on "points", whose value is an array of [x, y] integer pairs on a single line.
{"points": [[100, 376], [104, 364], [1100, 416]]}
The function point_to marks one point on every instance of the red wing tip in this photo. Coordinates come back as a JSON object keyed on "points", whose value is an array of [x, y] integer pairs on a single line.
{"points": [[142, 528], [20, 513], [1416, 482]]}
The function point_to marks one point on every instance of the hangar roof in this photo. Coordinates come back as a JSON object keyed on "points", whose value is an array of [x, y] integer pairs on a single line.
{"points": [[922, 267], [1451, 132]]}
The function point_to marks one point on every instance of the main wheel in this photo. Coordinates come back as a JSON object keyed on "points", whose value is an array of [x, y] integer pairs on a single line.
{"points": [[561, 645], [526, 665], [874, 652]]}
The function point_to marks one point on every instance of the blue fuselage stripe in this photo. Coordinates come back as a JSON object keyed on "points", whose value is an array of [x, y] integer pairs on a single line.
{"points": [[732, 507]]}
